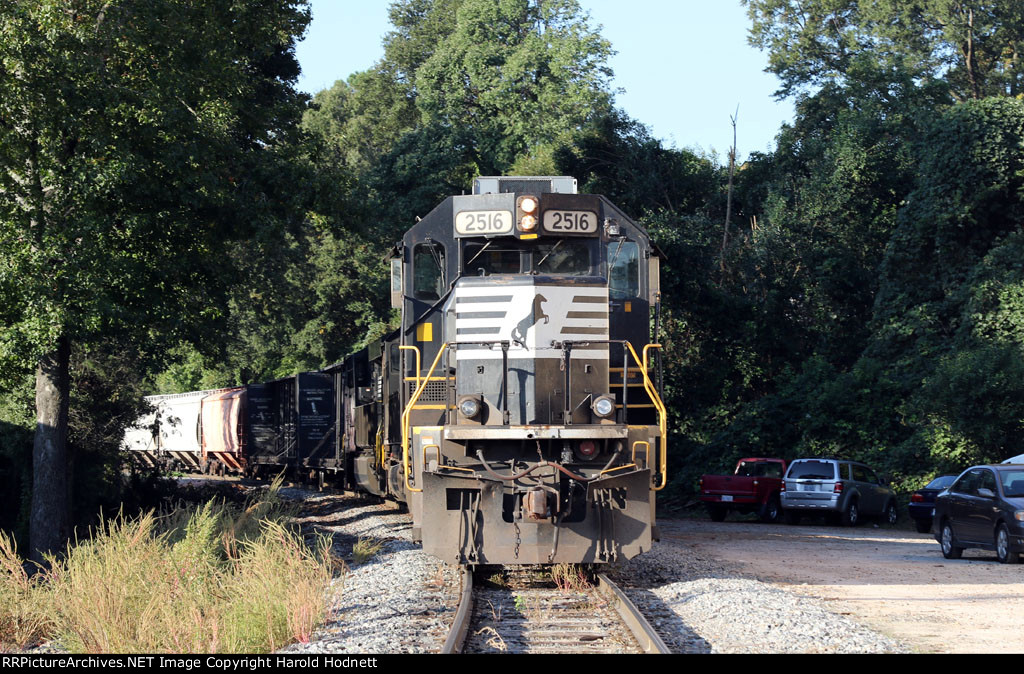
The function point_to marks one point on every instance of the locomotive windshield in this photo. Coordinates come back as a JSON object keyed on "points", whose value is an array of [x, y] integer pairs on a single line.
{"points": [[565, 256], [624, 266], [568, 257], [484, 259]]}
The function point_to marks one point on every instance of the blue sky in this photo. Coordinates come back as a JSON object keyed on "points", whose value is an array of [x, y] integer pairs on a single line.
{"points": [[683, 66]]}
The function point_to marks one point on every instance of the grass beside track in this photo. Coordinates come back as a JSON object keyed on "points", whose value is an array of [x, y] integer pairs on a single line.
{"points": [[217, 578]]}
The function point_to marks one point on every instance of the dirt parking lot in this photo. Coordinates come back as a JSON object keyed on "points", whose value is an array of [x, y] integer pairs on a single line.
{"points": [[892, 580]]}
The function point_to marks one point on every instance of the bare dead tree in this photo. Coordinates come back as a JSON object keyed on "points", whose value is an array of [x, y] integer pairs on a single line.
{"points": [[728, 201]]}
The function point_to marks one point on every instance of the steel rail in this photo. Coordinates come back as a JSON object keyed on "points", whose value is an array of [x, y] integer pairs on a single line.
{"points": [[460, 625], [642, 630]]}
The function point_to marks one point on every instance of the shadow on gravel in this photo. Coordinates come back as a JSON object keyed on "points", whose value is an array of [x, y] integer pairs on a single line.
{"points": [[351, 519], [673, 631]]}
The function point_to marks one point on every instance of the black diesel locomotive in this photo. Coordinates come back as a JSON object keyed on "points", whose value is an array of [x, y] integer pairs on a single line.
{"points": [[517, 411]]}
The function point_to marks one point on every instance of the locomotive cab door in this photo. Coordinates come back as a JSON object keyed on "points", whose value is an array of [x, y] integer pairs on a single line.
{"points": [[628, 309]]}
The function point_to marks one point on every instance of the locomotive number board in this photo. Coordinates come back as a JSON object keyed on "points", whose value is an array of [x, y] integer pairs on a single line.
{"points": [[570, 222], [476, 223]]}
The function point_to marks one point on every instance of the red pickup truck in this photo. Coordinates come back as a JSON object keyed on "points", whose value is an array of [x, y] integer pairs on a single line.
{"points": [[754, 487]]}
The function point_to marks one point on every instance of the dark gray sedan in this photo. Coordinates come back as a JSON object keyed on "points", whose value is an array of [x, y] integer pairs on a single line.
{"points": [[984, 509]]}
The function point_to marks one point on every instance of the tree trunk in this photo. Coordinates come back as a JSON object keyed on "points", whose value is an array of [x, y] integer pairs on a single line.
{"points": [[728, 200], [49, 521]]}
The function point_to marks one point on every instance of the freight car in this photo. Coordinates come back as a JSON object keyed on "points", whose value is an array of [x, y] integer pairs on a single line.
{"points": [[517, 409], [198, 431]]}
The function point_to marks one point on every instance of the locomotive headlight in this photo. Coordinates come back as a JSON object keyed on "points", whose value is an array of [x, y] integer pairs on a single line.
{"points": [[469, 407], [528, 211], [604, 406]]}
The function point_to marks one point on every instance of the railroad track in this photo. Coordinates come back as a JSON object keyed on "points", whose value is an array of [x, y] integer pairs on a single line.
{"points": [[522, 611]]}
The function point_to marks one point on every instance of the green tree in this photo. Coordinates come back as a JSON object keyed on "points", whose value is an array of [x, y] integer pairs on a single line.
{"points": [[515, 75], [948, 307], [136, 137], [499, 79], [972, 49], [616, 156]]}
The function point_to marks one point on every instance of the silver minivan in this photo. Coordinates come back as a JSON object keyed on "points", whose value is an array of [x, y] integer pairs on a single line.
{"points": [[844, 491]]}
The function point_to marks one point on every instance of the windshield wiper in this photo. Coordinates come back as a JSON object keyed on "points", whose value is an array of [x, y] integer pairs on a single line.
{"points": [[618, 250], [478, 253], [553, 249]]}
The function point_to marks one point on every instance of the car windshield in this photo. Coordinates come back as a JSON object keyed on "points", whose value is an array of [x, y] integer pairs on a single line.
{"points": [[811, 469], [941, 482], [1013, 483]]}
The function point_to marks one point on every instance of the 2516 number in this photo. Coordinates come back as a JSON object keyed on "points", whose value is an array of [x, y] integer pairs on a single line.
{"points": [[483, 222], [582, 222]]}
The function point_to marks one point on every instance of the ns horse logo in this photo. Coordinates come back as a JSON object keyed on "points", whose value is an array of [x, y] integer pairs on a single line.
{"points": [[531, 319]]}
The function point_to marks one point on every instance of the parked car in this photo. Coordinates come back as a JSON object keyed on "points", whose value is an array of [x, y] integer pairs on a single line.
{"points": [[983, 508], [843, 491], [753, 487], [922, 502]]}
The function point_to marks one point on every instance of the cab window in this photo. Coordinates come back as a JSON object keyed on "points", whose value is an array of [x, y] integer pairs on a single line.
{"points": [[484, 259], [570, 257], [428, 271], [623, 269]]}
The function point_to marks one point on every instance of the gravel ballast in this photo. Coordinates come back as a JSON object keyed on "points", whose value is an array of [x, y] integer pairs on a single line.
{"points": [[710, 609], [402, 600]]}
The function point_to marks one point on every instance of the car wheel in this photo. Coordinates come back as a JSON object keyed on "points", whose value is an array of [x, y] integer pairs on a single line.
{"points": [[891, 514], [851, 515], [949, 550], [791, 516], [771, 511], [923, 526], [717, 513], [1003, 552]]}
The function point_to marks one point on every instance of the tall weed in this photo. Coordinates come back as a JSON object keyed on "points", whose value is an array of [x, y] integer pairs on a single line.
{"points": [[213, 579], [24, 617]]}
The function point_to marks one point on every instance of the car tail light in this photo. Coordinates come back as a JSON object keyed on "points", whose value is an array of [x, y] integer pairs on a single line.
{"points": [[916, 498], [782, 487], [838, 489], [700, 484]]}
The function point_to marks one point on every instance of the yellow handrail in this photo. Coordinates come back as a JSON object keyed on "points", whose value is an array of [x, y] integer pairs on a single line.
{"points": [[441, 465], [659, 405], [612, 470], [647, 451], [408, 410], [380, 447], [417, 350]]}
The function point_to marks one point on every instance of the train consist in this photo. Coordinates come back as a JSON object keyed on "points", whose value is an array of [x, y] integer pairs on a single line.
{"points": [[516, 411]]}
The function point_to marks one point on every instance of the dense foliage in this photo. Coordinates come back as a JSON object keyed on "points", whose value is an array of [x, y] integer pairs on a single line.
{"points": [[212, 227], [140, 142]]}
